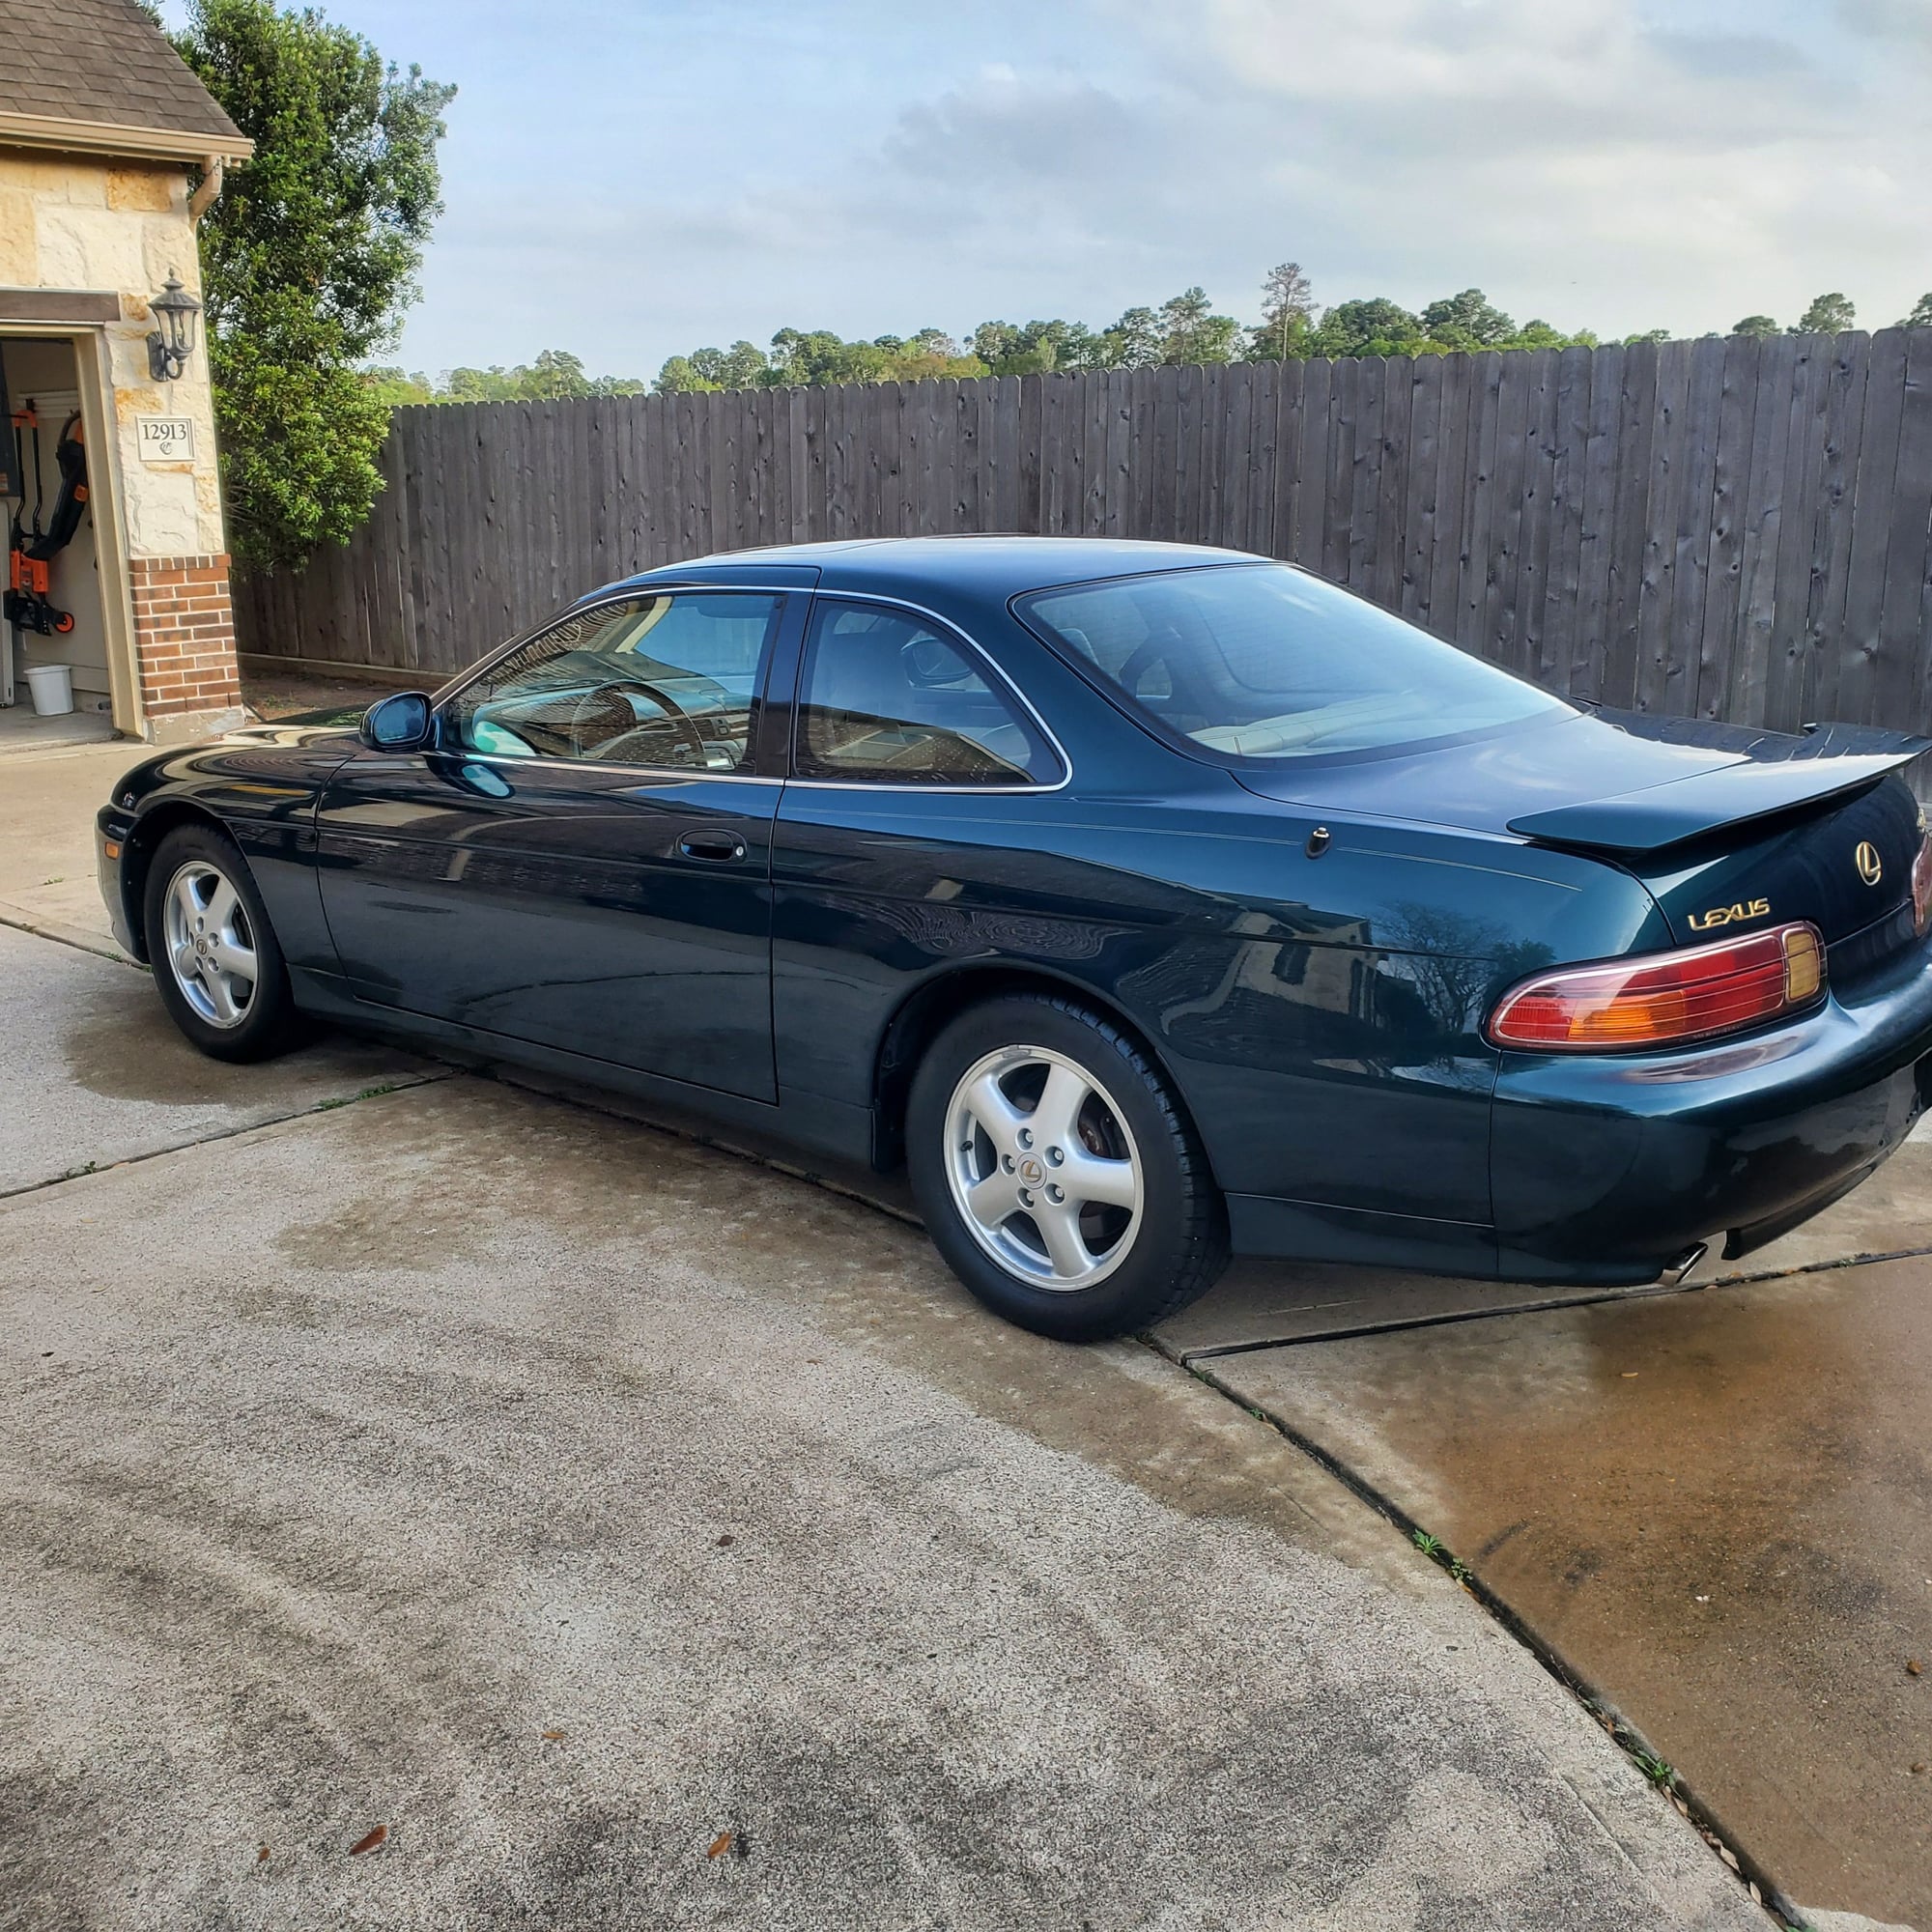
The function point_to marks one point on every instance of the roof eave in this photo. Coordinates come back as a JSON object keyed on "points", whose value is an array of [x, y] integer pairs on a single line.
{"points": [[103, 138]]}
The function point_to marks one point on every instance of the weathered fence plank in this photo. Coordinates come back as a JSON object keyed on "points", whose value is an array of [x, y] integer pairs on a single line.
{"points": [[1858, 680], [1418, 504], [1445, 561], [1718, 627], [1538, 523], [1763, 515]]}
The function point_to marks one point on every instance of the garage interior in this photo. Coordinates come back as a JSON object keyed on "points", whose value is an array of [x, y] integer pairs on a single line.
{"points": [[63, 624]]}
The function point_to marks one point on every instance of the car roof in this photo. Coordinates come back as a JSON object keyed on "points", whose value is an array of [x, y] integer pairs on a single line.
{"points": [[980, 566]]}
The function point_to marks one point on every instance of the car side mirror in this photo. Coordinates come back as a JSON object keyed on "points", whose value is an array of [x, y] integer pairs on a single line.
{"points": [[398, 723]]}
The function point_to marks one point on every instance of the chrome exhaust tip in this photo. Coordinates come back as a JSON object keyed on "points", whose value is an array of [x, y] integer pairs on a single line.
{"points": [[1675, 1274]]}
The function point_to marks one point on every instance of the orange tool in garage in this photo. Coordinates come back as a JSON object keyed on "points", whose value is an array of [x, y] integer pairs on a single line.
{"points": [[29, 551]]}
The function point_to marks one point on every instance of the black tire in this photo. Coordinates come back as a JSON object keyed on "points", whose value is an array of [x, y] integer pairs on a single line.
{"points": [[1175, 1244], [265, 1022]]}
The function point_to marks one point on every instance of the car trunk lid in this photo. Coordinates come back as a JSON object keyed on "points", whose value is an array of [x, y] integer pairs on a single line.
{"points": [[1843, 862], [1730, 828]]}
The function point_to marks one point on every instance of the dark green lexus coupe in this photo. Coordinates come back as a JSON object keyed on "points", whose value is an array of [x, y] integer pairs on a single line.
{"points": [[1145, 901]]}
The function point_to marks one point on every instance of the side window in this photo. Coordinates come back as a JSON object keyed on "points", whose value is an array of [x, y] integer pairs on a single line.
{"points": [[885, 696], [667, 681]]}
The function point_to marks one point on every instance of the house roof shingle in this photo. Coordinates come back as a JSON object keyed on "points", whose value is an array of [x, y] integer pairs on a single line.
{"points": [[101, 65]]}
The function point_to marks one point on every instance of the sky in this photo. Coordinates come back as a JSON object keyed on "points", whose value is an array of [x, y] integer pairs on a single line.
{"points": [[632, 178]]}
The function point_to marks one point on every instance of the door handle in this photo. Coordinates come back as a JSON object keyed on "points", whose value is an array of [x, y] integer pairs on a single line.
{"points": [[719, 849]]}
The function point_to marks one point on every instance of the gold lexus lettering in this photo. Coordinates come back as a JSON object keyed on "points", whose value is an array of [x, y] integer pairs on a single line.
{"points": [[1706, 921], [1871, 868]]}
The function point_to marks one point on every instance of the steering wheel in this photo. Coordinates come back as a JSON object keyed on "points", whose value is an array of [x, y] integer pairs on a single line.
{"points": [[675, 715]]}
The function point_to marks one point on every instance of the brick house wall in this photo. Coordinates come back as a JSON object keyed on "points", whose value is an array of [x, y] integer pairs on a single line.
{"points": [[183, 638]]}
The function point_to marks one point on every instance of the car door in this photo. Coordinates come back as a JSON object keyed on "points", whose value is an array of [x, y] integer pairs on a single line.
{"points": [[909, 834], [581, 859]]}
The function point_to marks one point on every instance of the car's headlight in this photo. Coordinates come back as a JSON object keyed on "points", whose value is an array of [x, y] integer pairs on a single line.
{"points": [[1662, 999]]}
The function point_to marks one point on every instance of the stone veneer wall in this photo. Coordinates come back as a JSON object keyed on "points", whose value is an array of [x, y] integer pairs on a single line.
{"points": [[80, 222]]}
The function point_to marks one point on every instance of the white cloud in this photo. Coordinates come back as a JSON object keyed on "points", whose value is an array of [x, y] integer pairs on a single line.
{"points": [[1588, 161], [1909, 20], [1557, 146]]}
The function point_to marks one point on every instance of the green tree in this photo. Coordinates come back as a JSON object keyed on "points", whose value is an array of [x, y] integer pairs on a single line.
{"points": [[309, 259], [555, 374], [1468, 321], [681, 376], [1921, 316], [1649, 335], [804, 356], [1756, 325], [494, 385], [1288, 314], [742, 366], [393, 387], [1828, 315], [1376, 327], [1133, 342], [1021, 349], [1537, 333], [1191, 332]]}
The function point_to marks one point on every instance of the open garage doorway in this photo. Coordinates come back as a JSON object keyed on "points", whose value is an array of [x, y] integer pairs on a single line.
{"points": [[55, 684]]}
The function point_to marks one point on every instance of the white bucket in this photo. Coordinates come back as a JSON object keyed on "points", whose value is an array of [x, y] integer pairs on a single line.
{"points": [[53, 688]]}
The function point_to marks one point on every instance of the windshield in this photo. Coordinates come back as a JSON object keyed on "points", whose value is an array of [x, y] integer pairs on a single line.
{"points": [[1262, 662]]}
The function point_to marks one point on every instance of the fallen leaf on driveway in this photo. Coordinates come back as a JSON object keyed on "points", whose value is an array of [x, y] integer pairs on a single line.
{"points": [[553, 1737], [719, 1845], [368, 1841], [1911, 1667], [261, 1853]]}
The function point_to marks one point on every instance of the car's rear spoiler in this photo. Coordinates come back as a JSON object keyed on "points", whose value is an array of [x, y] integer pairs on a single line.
{"points": [[1836, 759]]}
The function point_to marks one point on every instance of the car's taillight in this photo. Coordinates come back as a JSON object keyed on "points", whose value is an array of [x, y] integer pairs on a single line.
{"points": [[1660, 999], [1921, 883]]}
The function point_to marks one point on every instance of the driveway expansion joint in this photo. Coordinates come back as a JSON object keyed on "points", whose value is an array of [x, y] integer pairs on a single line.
{"points": [[1763, 1890], [62, 935], [220, 1135], [1214, 1351]]}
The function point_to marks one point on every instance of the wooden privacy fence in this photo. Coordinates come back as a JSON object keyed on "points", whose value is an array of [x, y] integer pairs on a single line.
{"points": [[1735, 528]]}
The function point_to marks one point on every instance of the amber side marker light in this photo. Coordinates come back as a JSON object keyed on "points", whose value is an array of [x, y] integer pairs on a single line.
{"points": [[1662, 999]]}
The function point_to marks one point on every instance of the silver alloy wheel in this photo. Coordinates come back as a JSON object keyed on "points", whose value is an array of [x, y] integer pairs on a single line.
{"points": [[1042, 1168], [210, 944]]}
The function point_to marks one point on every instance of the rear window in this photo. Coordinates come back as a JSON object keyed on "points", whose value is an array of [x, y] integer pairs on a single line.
{"points": [[1258, 661]]}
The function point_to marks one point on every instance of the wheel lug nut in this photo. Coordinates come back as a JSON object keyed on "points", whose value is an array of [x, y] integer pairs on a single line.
{"points": [[1006, 1162], [1056, 1156], [1026, 1137], [1026, 1199], [1053, 1194]]}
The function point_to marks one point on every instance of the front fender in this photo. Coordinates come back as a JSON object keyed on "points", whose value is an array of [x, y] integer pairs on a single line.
{"points": [[261, 789]]}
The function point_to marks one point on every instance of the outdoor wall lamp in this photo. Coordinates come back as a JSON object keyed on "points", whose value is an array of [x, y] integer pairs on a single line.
{"points": [[175, 309]]}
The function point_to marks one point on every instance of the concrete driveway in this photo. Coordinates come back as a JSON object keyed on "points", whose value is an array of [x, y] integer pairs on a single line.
{"points": [[641, 1536], [634, 1535]]}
